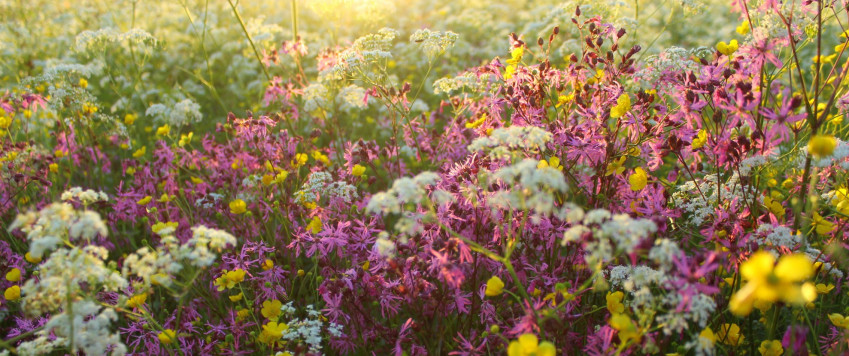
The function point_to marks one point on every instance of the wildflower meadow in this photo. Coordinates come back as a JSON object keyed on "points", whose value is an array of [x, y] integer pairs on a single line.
{"points": [[424, 177]]}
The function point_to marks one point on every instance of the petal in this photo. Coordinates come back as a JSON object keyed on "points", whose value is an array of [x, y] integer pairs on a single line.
{"points": [[794, 268], [758, 266]]}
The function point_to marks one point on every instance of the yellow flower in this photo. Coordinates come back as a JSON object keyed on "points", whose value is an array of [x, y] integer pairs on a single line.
{"points": [[136, 300], [185, 139], [729, 334], [238, 206], [229, 279], [280, 177], [821, 225], [616, 166], [528, 344], [144, 201], [167, 336], [140, 152], [824, 288], [771, 348], [700, 139], [822, 145], [272, 332], [494, 286], [31, 259], [315, 225], [625, 326], [236, 298], [743, 29], [771, 283], [163, 130], [318, 156], [271, 309], [476, 123], [267, 264], [707, 337], [638, 180], [614, 302], [563, 99], [242, 314], [358, 170], [774, 207], [13, 275], [165, 227], [83, 83], [553, 162], [12, 293], [623, 105], [727, 48], [89, 108], [839, 321], [300, 160], [129, 119]]}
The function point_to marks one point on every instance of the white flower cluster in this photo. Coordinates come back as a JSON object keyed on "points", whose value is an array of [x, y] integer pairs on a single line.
{"points": [[153, 266], [56, 224], [367, 49], [404, 191], [817, 256], [408, 191], [700, 308], [530, 188], [777, 236], [351, 98], [700, 199], [315, 97], [100, 40], [86, 197], [607, 229], [671, 60], [63, 276], [384, 246], [434, 43], [182, 113], [749, 163], [87, 324], [321, 184], [504, 141], [468, 80], [307, 331], [205, 242], [632, 278]]}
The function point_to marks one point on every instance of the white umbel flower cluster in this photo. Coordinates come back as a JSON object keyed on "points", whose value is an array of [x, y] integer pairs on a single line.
{"points": [[56, 224], [86, 197], [68, 281], [434, 43], [307, 331], [321, 184], [182, 113], [531, 188], [504, 141], [611, 233], [201, 249]]}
